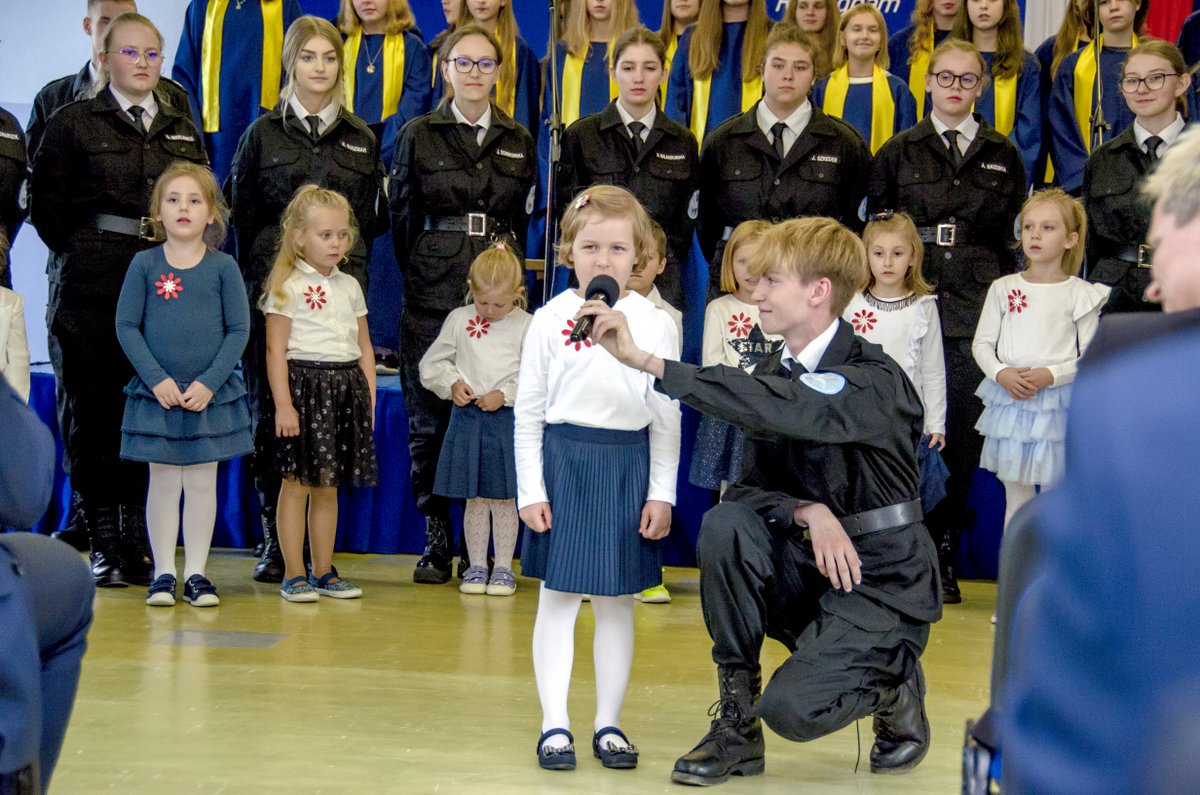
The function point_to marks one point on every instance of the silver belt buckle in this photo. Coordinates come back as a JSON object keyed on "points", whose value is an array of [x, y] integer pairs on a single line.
{"points": [[945, 234], [476, 224], [1145, 256], [148, 230]]}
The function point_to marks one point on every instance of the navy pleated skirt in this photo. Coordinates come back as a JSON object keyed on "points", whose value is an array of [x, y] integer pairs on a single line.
{"points": [[477, 455], [597, 480]]}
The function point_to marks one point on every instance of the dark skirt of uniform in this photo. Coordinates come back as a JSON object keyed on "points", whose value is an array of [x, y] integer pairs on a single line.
{"points": [[597, 480], [717, 457], [477, 460], [336, 444], [180, 437]]}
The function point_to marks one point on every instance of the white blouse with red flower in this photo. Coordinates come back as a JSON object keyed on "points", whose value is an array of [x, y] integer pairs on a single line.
{"points": [[324, 311], [1027, 324], [484, 354], [582, 384], [732, 335]]}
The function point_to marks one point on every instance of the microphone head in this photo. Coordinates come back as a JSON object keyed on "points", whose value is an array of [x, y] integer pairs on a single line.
{"points": [[605, 288]]}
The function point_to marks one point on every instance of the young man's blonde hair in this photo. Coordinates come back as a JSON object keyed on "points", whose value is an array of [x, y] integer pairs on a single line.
{"points": [[812, 249], [607, 201], [746, 232]]}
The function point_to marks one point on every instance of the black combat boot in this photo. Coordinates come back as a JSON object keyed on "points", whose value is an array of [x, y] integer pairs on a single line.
{"points": [[137, 560], [103, 523], [270, 564], [947, 552], [434, 566], [901, 727], [73, 532], [734, 743]]}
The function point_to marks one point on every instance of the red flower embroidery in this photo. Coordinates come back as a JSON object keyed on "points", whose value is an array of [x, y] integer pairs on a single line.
{"points": [[169, 286], [314, 296], [478, 327], [864, 320], [587, 343], [1017, 301], [740, 325]]}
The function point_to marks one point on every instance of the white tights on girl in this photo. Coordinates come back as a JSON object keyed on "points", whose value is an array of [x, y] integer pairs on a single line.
{"points": [[198, 485], [1015, 495]]}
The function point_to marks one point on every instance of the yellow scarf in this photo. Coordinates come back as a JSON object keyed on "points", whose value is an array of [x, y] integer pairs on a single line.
{"points": [[916, 74], [671, 48], [393, 70], [572, 81], [210, 59], [433, 79], [1004, 103], [1085, 81], [883, 106], [751, 93]]}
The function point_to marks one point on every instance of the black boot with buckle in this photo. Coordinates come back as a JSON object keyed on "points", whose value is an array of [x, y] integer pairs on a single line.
{"points": [[270, 564], [136, 557], [734, 743], [947, 552], [434, 566], [901, 727], [103, 523]]}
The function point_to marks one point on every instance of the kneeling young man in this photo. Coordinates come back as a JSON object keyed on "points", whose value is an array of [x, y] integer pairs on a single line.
{"points": [[820, 543]]}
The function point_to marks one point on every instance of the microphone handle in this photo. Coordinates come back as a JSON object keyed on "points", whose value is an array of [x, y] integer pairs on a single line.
{"points": [[584, 327]]}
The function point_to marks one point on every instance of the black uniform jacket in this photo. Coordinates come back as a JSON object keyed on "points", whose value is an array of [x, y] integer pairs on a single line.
{"points": [[13, 170], [277, 156], [913, 173], [851, 446], [94, 160], [741, 178], [664, 173], [436, 174], [1118, 216]]}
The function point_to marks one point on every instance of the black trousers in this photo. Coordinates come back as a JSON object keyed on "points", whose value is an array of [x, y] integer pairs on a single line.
{"points": [[262, 410], [848, 652], [428, 415], [963, 443]]}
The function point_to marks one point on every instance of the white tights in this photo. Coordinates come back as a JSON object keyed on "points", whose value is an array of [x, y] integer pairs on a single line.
{"points": [[554, 654], [1015, 495], [198, 485]]}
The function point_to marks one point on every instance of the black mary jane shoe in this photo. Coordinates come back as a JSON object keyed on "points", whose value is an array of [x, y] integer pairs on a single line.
{"points": [[619, 757], [550, 758]]}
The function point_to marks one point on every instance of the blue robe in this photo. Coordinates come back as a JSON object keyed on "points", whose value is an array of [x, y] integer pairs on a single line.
{"points": [[368, 90], [1189, 39], [1066, 144], [898, 55], [525, 103], [725, 92], [1027, 125], [240, 76], [860, 105]]}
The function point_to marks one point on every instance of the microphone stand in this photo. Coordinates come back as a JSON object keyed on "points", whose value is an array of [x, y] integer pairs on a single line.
{"points": [[555, 122], [1097, 122]]}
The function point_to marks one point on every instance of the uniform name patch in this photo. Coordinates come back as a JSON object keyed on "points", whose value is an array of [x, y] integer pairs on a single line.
{"points": [[180, 137], [994, 167], [10, 136], [826, 159], [511, 155], [362, 150], [662, 156], [825, 383]]}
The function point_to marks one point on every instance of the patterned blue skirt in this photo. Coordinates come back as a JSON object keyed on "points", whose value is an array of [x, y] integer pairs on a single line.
{"points": [[597, 480], [477, 455], [180, 437], [717, 456]]}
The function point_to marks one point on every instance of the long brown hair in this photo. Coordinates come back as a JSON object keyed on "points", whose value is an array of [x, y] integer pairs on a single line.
{"points": [[302, 30], [294, 222], [506, 40], [1075, 26], [706, 40], [578, 29], [1010, 47], [397, 17], [827, 38], [639, 35], [666, 30], [921, 38], [841, 55], [1169, 53], [214, 235]]}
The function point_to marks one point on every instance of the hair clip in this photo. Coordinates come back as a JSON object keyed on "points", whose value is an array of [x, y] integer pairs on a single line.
{"points": [[880, 216], [582, 201], [501, 245]]}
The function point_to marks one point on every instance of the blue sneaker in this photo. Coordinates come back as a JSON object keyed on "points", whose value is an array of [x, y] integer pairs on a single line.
{"points": [[342, 589], [162, 591], [297, 589], [199, 592]]}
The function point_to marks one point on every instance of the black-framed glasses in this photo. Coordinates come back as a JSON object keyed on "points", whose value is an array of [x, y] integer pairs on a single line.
{"points": [[967, 81], [1152, 82], [464, 65], [132, 55]]}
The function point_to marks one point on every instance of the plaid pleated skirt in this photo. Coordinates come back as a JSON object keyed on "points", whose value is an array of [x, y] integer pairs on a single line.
{"points": [[597, 480]]}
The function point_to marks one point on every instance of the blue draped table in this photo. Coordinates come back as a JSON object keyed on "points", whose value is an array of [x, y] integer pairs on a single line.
{"points": [[384, 519]]}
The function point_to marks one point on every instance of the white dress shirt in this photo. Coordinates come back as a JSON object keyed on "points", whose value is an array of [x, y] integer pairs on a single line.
{"points": [[1168, 135], [810, 357], [327, 115], [627, 117], [485, 355], [795, 123], [967, 130], [324, 311], [149, 106], [481, 126]]}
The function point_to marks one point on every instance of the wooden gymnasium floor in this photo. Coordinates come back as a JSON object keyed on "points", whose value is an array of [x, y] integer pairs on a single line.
{"points": [[421, 689]]}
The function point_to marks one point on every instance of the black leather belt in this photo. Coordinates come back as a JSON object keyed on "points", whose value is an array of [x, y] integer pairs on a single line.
{"points": [[945, 235], [885, 518], [145, 228], [473, 224], [1137, 255]]}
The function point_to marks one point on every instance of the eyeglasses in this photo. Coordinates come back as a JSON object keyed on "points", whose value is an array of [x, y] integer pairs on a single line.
{"points": [[465, 65], [132, 55], [1152, 82], [967, 81]]}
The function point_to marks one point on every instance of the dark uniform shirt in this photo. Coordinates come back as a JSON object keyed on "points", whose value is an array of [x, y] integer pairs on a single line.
{"points": [[741, 177], [277, 156], [913, 173], [1118, 220], [13, 170], [851, 447], [663, 172], [436, 173]]}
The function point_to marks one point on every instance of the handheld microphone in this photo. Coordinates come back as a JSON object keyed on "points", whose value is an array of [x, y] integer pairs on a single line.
{"points": [[601, 288]]}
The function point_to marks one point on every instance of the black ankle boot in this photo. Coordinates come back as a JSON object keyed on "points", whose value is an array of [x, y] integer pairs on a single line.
{"points": [[103, 523], [901, 728], [73, 532], [21, 782], [434, 566], [734, 743], [947, 552], [136, 558], [270, 564]]}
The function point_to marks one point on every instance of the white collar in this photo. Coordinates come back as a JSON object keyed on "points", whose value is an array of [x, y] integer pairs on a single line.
{"points": [[810, 357], [627, 117], [309, 270], [328, 115], [1168, 134], [485, 121], [795, 122], [967, 130], [149, 104]]}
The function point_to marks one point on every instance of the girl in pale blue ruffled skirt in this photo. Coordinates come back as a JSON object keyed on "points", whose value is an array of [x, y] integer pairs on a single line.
{"points": [[1034, 329]]}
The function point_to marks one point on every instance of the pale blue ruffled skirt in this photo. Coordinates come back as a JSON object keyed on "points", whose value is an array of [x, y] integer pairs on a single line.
{"points": [[1024, 439]]}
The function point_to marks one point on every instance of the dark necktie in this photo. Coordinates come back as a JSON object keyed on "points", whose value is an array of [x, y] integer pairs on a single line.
{"points": [[136, 112], [1152, 144], [635, 135], [952, 144], [777, 137], [796, 370], [314, 127], [470, 134]]}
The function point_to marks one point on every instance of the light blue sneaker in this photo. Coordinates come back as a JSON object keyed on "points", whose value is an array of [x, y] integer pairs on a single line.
{"points": [[297, 589], [342, 589]]}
